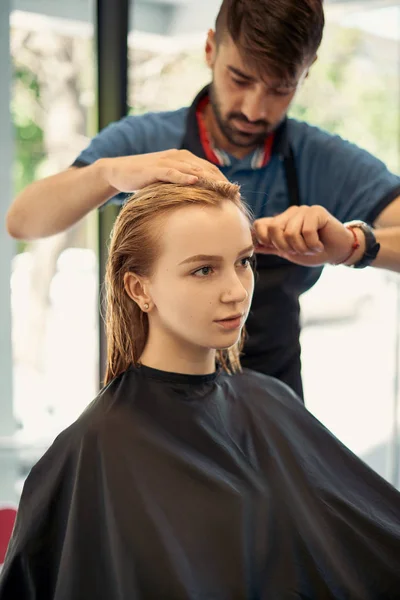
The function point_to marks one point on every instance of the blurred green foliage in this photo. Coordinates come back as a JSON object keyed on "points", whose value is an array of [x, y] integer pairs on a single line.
{"points": [[28, 133], [353, 91]]}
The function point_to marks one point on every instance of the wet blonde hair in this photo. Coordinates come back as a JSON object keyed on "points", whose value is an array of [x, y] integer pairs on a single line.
{"points": [[134, 247]]}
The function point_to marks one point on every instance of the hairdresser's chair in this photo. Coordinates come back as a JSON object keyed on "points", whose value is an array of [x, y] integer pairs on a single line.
{"points": [[7, 520]]}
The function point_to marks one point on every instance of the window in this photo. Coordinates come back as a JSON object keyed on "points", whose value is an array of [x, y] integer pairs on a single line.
{"points": [[54, 283], [351, 319]]}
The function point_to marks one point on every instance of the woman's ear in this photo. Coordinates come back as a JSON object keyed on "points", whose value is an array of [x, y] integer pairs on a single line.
{"points": [[135, 287]]}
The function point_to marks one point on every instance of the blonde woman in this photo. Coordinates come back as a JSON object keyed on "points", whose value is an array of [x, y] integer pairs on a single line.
{"points": [[187, 478]]}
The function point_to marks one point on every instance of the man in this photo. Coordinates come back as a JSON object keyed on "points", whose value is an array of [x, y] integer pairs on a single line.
{"points": [[302, 184]]}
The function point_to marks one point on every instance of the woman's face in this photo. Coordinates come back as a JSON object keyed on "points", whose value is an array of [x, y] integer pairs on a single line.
{"points": [[202, 283]]}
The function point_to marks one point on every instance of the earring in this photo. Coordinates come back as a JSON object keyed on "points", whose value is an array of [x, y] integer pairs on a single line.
{"points": [[146, 306]]}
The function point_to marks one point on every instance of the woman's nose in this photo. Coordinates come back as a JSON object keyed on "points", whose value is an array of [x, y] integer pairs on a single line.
{"points": [[235, 292]]}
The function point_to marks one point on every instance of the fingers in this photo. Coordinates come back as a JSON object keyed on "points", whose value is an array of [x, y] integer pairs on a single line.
{"points": [[277, 236], [197, 166], [295, 234], [270, 233], [190, 172], [259, 249], [172, 175], [310, 232], [130, 173], [296, 231], [204, 165]]}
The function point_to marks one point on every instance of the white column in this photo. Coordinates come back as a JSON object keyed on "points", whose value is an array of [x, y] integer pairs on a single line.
{"points": [[8, 465]]}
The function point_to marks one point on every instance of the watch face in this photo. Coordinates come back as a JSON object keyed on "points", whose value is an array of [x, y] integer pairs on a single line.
{"points": [[373, 252]]}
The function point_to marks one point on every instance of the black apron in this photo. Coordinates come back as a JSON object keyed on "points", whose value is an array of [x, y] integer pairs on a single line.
{"points": [[273, 326]]}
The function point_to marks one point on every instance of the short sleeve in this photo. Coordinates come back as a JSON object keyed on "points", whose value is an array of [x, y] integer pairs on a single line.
{"points": [[132, 135], [117, 139], [151, 132], [348, 181]]}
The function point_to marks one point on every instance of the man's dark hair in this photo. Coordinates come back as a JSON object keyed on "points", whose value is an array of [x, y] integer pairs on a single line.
{"points": [[273, 36]]}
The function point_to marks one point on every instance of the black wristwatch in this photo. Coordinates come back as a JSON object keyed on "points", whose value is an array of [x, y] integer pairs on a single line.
{"points": [[372, 247]]}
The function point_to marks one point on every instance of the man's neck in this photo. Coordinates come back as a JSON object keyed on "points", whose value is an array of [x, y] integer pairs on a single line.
{"points": [[218, 138]]}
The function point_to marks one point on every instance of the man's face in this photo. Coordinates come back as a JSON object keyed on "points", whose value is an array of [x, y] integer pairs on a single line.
{"points": [[246, 107]]}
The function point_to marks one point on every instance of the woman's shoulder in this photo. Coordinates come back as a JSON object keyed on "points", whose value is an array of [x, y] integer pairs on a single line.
{"points": [[266, 404], [105, 408], [109, 409], [87, 433], [255, 389]]}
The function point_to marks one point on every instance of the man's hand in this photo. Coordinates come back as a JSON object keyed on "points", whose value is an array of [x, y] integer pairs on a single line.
{"points": [[131, 173], [306, 235]]}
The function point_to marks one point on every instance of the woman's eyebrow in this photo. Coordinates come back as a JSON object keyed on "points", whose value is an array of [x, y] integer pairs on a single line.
{"points": [[247, 250], [213, 257], [201, 258]]}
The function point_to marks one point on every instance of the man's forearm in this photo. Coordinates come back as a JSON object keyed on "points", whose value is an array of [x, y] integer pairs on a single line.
{"points": [[389, 253], [54, 204]]}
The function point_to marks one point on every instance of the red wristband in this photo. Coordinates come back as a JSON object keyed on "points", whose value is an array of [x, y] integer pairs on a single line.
{"points": [[355, 246]]}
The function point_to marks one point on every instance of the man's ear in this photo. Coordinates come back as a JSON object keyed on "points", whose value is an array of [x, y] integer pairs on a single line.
{"points": [[136, 289], [311, 64], [211, 49]]}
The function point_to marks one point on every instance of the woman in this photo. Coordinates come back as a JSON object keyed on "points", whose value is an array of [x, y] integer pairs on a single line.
{"points": [[184, 480]]}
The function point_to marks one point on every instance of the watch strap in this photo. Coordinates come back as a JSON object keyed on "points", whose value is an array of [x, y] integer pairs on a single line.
{"points": [[372, 247]]}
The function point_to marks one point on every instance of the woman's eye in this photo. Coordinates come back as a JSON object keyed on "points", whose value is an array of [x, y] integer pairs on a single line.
{"points": [[247, 262], [203, 272]]}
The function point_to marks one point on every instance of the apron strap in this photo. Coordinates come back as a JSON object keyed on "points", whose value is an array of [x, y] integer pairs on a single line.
{"points": [[283, 148], [292, 182]]}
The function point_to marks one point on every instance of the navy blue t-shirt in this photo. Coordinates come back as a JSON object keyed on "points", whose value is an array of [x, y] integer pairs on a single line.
{"points": [[349, 182]]}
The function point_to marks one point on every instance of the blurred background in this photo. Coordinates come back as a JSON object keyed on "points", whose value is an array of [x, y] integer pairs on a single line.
{"points": [[50, 55]]}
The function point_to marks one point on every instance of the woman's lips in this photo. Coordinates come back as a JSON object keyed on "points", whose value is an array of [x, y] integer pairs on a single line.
{"points": [[231, 324]]}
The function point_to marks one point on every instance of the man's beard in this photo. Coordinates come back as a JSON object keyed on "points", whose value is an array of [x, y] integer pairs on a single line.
{"points": [[231, 133]]}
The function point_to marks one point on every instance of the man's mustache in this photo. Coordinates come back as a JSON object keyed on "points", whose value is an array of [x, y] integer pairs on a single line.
{"points": [[240, 117]]}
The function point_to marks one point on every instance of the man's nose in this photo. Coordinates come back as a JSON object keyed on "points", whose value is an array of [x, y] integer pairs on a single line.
{"points": [[254, 107]]}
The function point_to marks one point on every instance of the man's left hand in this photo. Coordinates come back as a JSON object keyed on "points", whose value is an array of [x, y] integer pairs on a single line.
{"points": [[305, 235]]}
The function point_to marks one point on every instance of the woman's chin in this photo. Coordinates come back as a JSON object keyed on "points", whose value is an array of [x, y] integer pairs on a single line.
{"points": [[228, 341]]}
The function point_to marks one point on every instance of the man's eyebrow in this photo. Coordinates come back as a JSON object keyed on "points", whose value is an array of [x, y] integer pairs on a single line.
{"points": [[284, 84], [212, 257], [241, 74]]}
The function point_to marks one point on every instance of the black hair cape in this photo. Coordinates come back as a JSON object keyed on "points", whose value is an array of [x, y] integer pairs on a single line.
{"points": [[209, 487]]}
